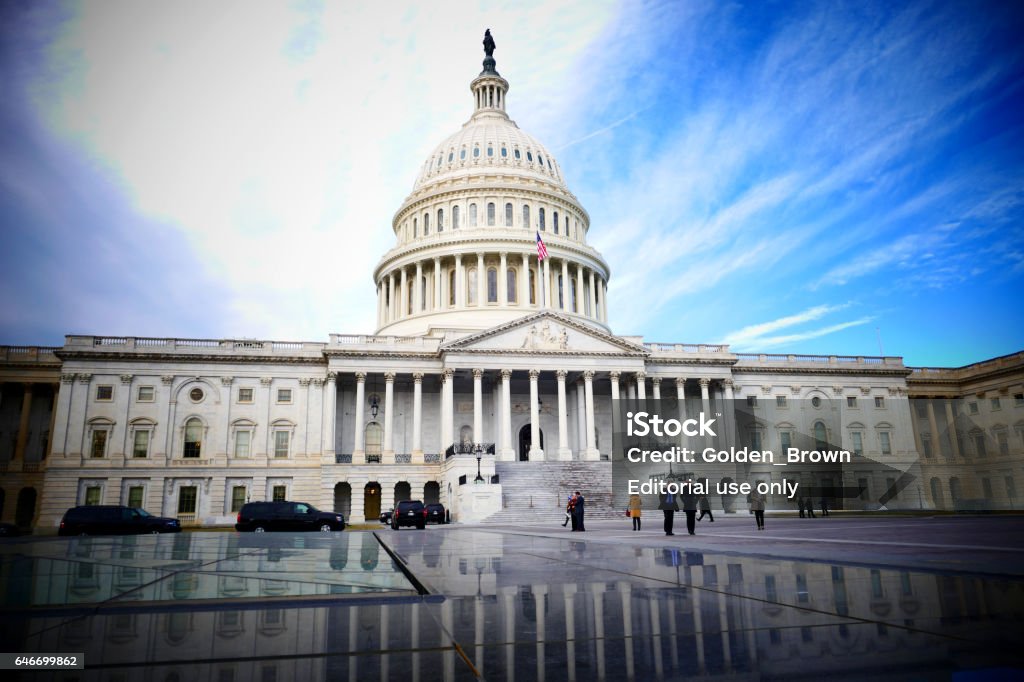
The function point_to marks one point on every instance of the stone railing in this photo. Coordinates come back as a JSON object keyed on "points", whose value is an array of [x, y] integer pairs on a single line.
{"points": [[28, 354], [343, 459], [408, 342], [967, 371], [175, 345], [186, 519], [832, 360], [474, 449], [432, 458], [189, 462], [403, 459], [687, 347]]}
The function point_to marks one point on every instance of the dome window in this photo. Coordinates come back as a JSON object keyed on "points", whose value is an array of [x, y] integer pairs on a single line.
{"points": [[549, 165], [462, 154], [472, 215], [490, 214], [490, 150], [455, 217], [476, 152], [440, 220], [508, 215], [540, 217], [504, 152], [492, 285], [529, 156], [526, 216], [451, 156], [471, 289], [540, 159], [554, 221], [515, 152], [510, 285], [439, 159], [426, 224], [415, 228]]}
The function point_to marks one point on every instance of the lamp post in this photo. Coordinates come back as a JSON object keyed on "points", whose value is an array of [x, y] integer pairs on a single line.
{"points": [[479, 479]]}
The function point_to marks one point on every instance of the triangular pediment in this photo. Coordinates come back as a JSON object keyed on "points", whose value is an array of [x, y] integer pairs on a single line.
{"points": [[545, 332]]}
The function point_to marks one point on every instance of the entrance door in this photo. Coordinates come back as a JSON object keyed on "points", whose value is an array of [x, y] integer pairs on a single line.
{"points": [[524, 442], [371, 501]]}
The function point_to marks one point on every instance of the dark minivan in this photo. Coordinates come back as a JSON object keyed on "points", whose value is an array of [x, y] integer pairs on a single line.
{"points": [[114, 520], [409, 513], [284, 516]]}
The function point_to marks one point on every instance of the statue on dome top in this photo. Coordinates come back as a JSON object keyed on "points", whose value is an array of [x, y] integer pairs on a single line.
{"points": [[488, 43]]}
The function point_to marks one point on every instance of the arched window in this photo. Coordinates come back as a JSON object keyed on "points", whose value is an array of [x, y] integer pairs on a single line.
{"points": [[492, 285], [490, 213], [529, 156], [533, 287], [472, 215], [426, 224], [526, 216], [490, 150], [566, 226], [455, 217], [515, 152], [193, 438], [508, 215], [472, 286], [504, 152], [476, 152], [820, 436], [440, 220], [408, 298], [462, 154], [439, 157], [561, 298], [572, 295], [540, 218], [423, 288], [374, 436], [415, 227], [451, 287], [540, 159], [451, 155], [511, 288], [554, 221]]}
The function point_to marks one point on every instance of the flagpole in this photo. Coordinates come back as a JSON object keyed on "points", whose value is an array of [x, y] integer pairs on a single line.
{"points": [[540, 272]]}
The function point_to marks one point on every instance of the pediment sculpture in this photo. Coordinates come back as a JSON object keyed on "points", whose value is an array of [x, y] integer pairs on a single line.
{"points": [[544, 339]]}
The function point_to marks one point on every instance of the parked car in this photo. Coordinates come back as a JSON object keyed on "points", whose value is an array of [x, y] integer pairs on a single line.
{"points": [[435, 513], [114, 520], [385, 517], [9, 530], [409, 513], [287, 516]]}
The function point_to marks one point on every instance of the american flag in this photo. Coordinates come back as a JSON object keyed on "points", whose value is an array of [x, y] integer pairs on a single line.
{"points": [[542, 251]]}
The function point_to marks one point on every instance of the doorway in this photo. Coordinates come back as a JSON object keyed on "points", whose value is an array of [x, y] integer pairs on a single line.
{"points": [[371, 501], [525, 442]]}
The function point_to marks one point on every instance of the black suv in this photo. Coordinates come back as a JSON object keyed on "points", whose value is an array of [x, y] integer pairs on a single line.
{"points": [[114, 520], [293, 516], [435, 513], [409, 513]]}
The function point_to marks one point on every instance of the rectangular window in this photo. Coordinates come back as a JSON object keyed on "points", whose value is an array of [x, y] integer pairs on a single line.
{"points": [[245, 395], [135, 496], [876, 584], [780, 401], [979, 444], [879, 402], [145, 394], [242, 441], [858, 443], [1011, 489], [926, 443], [996, 405], [281, 443], [769, 588], [92, 495], [755, 439], [751, 401], [972, 408], [865, 492], [986, 488], [140, 444], [104, 393], [1018, 399], [280, 493], [1004, 442], [99, 444], [851, 401], [237, 498], [802, 595], [883, 440], [187, 499], [284, 395], [786, 440]]}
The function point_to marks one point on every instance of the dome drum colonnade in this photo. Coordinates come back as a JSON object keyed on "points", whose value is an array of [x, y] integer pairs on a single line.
{"points": [[467, 232]]}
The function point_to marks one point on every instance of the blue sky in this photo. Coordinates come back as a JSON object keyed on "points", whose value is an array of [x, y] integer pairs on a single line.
{"points": [[788, 177]]}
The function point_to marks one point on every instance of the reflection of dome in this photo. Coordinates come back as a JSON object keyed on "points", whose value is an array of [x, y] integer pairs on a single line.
{"points": [[466, 252]]}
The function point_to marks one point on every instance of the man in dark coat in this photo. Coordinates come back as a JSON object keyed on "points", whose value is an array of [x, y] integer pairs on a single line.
{"points": [[690, 506], [667, 503], [577, 512]]}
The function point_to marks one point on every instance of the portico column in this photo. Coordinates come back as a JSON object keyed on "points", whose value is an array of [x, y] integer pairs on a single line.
{"points": [[358, 451], [656, 383], [478, 405], [581, 421], [481, 284], [730, 420], [460, 278], [566, 303], [403, 303], [593, 296], [564, 453], [681, 400], [579, 290], [391, 296], [417, 418], [951, 427], [524, 282], [331, 410], [641, 386], [616, 412], [705, 397], [547, 283], [417, 289], [536, 453], [380, 304], [389, 418], [437, 285], [588, 383], [933, 424], [507, 451], [503, 280], [604, 300], [447, 407], [26, 411]]}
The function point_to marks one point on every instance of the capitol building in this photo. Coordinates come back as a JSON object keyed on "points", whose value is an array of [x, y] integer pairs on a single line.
{"points": [[490, 384]]}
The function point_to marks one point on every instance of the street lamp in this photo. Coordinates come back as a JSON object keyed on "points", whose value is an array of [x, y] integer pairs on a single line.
{"points": [[479, 479]]}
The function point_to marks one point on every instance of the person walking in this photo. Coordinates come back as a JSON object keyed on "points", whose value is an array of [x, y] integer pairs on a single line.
{"points": [[809, 503], [705, 508], [669, 506], [568, 513], [634, 510], [690, 506], [577, 511], [800, 506], [824, 506], [757, 506]]}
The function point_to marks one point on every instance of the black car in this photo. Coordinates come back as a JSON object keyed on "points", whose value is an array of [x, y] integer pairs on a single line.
{"points": [[435, 513], [287, 516], [409, 513], [385, 517], [114, 520], [9, 530]]}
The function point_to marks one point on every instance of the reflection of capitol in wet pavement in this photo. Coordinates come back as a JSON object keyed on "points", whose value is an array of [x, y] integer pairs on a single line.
{"points": [[501, 605]]}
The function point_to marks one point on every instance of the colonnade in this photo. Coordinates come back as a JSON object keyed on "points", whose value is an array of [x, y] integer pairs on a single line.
{"points": [[24, 429], [480, 279]]}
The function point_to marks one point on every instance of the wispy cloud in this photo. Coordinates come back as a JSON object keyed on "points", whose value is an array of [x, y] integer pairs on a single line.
{"points": [[761, 335]]}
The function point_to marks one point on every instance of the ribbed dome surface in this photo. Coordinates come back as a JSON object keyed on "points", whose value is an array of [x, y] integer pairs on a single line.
{"points": [[489, 142]]}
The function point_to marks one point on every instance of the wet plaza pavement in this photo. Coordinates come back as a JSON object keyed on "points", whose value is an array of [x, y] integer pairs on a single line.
{"points": [[852, 598]]}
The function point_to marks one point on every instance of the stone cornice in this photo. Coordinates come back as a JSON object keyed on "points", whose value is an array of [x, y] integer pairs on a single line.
{"points": [[628, 347], [860, 370], [183, 358]]}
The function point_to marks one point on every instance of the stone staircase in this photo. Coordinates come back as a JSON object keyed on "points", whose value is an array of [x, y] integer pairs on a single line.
{"points": [[536, 492]]}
